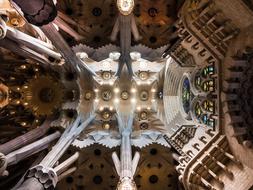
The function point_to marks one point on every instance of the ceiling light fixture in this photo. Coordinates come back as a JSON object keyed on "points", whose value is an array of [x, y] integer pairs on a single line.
{"points": [[143, 75], [111, 83], [125, 6], [153, 90], [133, 90], [133, 100], [116, 90], [106, 126], [116, 100], [106, 75]]}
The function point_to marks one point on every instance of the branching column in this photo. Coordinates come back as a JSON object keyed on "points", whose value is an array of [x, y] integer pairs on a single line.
{"points": [[125, 25], [126, 166], [11, 154], [125, 43], [44, 176], [67, 53], [126, 155], [25, 139]]}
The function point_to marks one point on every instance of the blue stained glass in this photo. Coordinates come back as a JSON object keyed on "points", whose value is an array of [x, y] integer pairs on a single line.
{"points": [[205, 119]]}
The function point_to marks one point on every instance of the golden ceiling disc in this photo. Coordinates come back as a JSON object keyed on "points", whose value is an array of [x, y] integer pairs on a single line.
{"points": [[42, 95]]}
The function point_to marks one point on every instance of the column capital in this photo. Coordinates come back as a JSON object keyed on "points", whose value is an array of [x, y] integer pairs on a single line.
{"points": [[45, 175]]}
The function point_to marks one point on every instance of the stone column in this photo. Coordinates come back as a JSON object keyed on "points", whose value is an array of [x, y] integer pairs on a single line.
{"points": [[25, 152], [125, 43], [67, 53], [25, 139], [33, 148], [11, 153], [126, 155], [44, 176], [126, 166]]}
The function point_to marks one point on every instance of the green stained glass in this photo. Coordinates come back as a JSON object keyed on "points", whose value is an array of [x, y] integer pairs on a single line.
{"points": [[208, 71]]}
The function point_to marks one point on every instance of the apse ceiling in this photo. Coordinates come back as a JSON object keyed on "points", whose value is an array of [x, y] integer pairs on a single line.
{"points": [[92, 42]]}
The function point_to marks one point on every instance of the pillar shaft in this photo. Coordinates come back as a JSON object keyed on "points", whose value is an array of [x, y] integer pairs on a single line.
{"points": [[65, 141], [31, 149], [23, 140], [126, 156], [67, 53], [44, 171], [125, 43]]}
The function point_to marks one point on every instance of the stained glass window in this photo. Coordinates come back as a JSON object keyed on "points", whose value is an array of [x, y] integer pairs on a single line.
{"points": [[205, 82], [208, 71], [208, 105], [208, 86], [211, 122], [203, 117], [198, 110], [186, 95], [198, 81], [208, 121]]}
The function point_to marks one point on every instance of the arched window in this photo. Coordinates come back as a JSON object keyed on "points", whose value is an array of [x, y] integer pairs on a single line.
{"points": [[186, 95], [203, 79], [204, 108], [198, 81], [207, 120], [198, 111], [209, 106], [208, 71], [202, 115], [208, 86]]}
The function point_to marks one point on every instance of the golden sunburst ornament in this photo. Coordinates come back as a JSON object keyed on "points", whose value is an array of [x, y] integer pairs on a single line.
{"points": [[42, 95], [125, 6]]}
